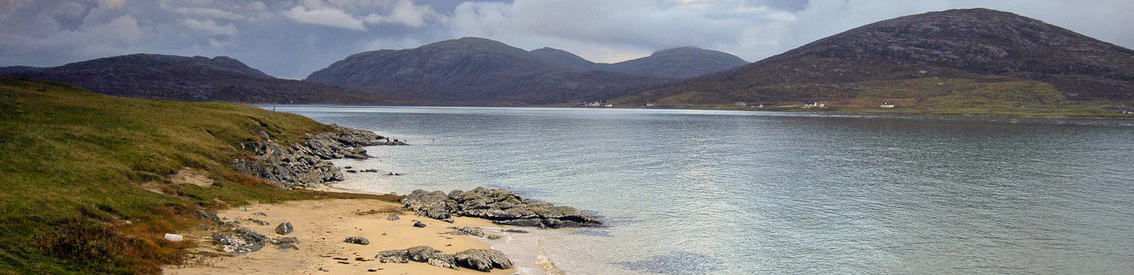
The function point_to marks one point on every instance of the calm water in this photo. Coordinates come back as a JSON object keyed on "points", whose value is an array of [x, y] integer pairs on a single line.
{"points": [[717, 192]]}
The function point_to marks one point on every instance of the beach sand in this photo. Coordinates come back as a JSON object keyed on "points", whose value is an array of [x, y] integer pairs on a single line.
{"points": [[321, 226]]}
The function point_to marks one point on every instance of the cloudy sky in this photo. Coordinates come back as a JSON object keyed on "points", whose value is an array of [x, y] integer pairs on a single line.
{"points": [[292, 38]]}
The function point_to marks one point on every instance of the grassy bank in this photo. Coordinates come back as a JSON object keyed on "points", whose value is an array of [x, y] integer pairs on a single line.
{"points": [[72, 164], [933, 96]]}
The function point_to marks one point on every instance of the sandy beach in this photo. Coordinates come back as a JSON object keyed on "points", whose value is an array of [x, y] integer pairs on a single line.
{"points": [[321, 226]]}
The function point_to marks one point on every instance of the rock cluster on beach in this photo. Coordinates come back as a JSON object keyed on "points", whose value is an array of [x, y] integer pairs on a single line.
{"points": [[243, 240], [305, 165], [479, 259], [498, 205]]}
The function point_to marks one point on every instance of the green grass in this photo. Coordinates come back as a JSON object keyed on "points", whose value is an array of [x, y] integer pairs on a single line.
{"points": [[72, 162], [936, 96]]}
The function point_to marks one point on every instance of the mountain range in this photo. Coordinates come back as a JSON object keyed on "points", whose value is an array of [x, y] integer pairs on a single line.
{"points": [[950, 59], [481, 71]]}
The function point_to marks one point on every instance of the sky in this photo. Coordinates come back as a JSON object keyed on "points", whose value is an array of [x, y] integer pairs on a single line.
{"points": [[292, 38]]}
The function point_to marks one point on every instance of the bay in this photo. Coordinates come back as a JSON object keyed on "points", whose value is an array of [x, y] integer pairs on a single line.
{"points": [[735, 192]]}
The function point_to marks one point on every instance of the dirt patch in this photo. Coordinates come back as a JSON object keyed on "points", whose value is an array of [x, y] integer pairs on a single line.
{"points": [[191, 176]]}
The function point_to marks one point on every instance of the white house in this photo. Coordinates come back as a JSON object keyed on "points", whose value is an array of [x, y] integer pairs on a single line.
{"points": [[887, 105], [813, 104]]}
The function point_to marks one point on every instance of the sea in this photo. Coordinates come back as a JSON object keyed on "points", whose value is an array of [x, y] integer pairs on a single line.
{"points": [[754, 192]]}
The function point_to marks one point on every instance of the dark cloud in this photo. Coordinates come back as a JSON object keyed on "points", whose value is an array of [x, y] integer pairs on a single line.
{"points": [[292, 38]]}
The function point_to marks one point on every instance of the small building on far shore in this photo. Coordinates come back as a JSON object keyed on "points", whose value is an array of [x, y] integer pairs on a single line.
{"points": [[888, 105], [814, 104]]}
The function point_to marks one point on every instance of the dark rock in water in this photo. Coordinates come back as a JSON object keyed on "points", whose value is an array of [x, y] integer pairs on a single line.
{"points": [[479, 259], [351, 171], [483, 259], [284, 228], [498, 205], [240, 241], [357, 240], [679, 263], [370, 171], [393, 217], [494, 237], [515, 231], [418, 224]]}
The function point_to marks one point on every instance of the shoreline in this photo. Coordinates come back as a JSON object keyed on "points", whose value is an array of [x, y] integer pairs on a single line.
{"points": [[522, 248], [321, 226]]}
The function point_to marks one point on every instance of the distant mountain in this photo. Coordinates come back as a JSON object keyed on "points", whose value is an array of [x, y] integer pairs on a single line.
{"points": [[477, 71], [949, 51], [678, 63], [187, 79], [683, 62], [564, 59]]}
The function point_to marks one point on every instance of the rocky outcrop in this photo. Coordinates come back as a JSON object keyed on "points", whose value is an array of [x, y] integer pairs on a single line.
{"points": [[478, 259], [243, 240], [498, 205], [305, 165]]}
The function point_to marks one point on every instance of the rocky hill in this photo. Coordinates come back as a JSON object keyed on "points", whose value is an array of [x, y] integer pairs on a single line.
{"points": [[482, 71], [972, 46], [187, 79]]}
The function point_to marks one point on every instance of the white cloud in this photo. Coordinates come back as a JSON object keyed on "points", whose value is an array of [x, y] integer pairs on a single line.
{"points": [[113, 4], [209, 26], [325, 16], [637, 26], [407, 13]]}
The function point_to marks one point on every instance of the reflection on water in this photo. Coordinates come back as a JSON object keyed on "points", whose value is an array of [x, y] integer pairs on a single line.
{"points": [[727, 192]]}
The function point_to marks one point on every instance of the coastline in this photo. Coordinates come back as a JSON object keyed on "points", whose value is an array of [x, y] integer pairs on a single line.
{"points": [[320, 227], [522, 248]]}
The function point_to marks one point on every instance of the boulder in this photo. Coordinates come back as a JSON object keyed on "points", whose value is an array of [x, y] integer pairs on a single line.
{"points": [[418, 224], [357, 240], [483, 259], [284, 228], [479, 259], [498, 205], [240, 241], [393, 217]]}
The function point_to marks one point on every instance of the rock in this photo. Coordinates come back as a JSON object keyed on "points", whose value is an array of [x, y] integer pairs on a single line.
{"points": [[357, 240], [305, 165], [418, 224], [174, 237], [284, 228], [475, 231], [494, 237], [483, 259], [498, 205], [515, 231], [209, 216], [479, 259], [393, 217], [259, 221], [240, 241]]}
